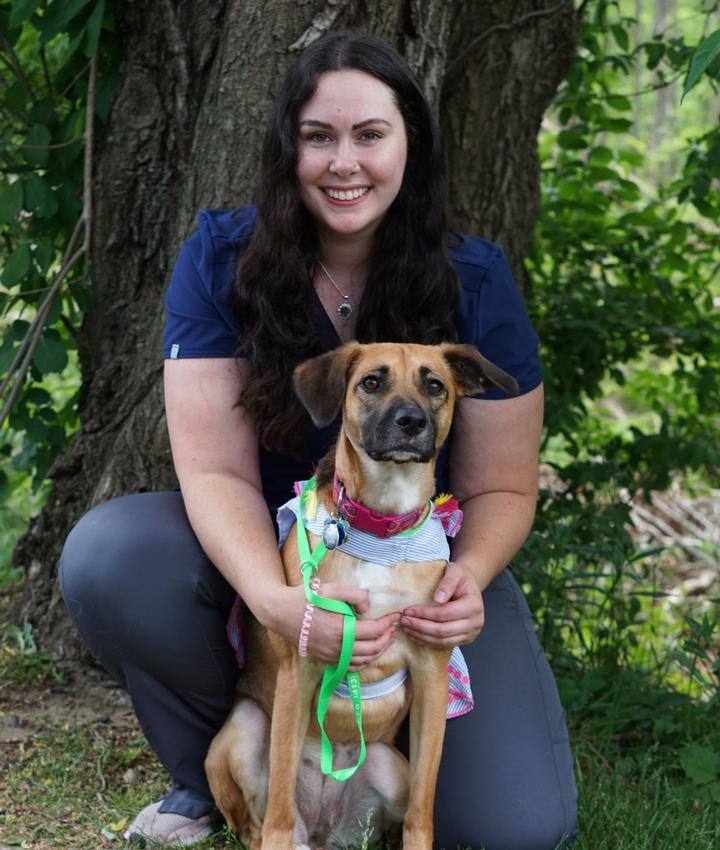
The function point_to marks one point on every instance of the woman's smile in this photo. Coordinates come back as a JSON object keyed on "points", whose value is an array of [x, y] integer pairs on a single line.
{"points": [[345, 196]]}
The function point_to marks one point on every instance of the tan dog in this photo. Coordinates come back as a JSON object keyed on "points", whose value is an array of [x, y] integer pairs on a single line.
{"points": [[397, 403]]}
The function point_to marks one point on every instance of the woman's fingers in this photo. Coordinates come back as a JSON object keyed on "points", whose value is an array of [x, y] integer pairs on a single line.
{"points": [[356, 596]]}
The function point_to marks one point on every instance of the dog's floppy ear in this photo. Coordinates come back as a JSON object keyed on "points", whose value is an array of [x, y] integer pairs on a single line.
{"points": [[320, 383], [474, 373]]}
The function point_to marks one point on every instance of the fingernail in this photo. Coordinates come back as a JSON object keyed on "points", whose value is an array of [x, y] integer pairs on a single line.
{"points": [[440, 596]]}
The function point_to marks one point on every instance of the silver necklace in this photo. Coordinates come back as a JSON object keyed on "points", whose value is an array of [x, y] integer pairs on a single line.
{"points": [[345, 308]]}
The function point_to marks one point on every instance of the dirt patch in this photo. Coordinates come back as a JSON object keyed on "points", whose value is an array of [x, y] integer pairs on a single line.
{"points": [[87, 696]]}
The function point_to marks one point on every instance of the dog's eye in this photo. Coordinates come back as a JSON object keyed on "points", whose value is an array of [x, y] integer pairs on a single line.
{"points": [[435, 387], [371, 383]]}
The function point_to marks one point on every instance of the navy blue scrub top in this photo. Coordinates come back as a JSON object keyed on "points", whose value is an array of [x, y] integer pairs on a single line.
{"points": [[200, 322]]}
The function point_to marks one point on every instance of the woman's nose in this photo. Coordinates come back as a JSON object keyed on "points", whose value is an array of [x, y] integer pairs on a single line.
{"points": [[344, 161]]}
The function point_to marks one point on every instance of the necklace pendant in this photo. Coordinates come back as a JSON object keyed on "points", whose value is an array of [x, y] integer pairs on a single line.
{"points": [[344, 310]]}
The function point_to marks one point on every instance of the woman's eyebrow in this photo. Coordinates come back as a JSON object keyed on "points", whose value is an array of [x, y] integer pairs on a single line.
{"points": [[313, 122]]}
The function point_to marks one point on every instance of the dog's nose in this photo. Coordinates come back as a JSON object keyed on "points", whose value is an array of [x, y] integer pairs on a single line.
{"points": [[410, 419]]}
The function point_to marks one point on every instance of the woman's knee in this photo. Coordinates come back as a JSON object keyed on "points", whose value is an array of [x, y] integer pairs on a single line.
{"points": [[132, 558], [555, 830], [115, 542]]}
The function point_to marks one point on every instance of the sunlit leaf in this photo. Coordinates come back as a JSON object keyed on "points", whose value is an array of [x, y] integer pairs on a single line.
{"points": [[707, 51]]}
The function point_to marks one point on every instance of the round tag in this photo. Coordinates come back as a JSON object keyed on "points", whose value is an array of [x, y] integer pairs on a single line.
{"points": [[334, 533]]}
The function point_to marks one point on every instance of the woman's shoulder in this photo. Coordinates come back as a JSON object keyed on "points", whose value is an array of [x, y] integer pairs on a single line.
{"points": [[222, 231], [475, 259]]}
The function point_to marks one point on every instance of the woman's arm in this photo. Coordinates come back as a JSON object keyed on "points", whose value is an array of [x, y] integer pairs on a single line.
{"points": [[215, 452], [494, 472]]}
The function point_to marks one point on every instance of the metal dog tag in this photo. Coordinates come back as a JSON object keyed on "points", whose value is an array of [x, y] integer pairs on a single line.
{"points": [[334, 533]]}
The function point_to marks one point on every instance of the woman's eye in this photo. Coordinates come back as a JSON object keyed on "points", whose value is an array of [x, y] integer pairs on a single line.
{"points": [[435, 387], [370, 136], [371, 383], [318, 138]]}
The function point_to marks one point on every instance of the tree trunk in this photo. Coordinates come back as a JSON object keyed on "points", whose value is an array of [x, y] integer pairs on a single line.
{"points": [[188, 115]]}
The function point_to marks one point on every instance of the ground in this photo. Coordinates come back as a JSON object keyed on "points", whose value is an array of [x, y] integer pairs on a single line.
{"points": [[74, 765]]}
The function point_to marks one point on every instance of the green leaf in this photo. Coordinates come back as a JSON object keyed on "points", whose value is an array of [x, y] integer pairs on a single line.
{"points": [[22, 11], [37, 139], [82, 295], [103, 96], [621, 36], [39, 197], [700, 764], [571, 140], [702, 58], [94, 25], [17, 266], [11, 201], [619, 103], [38, 395], [43, 255], [42, 112], [7, 353], [600, 154], [50, 355], [57, 16]]}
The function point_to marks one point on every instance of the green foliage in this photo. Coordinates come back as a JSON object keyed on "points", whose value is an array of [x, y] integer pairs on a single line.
{"points": [[625, 275], [704, 60], [21, 661], [46, 49]]}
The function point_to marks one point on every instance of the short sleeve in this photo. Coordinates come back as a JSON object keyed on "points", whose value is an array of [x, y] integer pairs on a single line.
{"points": [[198, 303], [505, 335], [492, 314]]}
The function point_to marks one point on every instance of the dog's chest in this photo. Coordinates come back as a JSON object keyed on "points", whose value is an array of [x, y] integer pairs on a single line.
{"points": [[393, 588], [390, 588]]}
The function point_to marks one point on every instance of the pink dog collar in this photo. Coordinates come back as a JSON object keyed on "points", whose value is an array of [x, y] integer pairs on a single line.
{"points": [[363, 519]]}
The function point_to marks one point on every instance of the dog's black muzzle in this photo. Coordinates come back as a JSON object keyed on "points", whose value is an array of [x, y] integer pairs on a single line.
{"points": [[404, 432]]}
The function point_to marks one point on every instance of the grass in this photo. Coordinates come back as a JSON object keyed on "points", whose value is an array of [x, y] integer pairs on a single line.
{"points": [[645, 808], [79, 780]]}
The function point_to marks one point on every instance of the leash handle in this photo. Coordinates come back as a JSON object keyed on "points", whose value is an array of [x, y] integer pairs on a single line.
{"points": [[333, 675]]}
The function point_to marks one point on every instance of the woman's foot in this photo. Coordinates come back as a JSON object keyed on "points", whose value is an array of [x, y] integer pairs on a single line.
{"points": [[153, 826]]}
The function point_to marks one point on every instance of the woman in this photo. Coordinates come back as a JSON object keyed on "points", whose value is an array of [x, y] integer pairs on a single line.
{"points": [[349, 241]]}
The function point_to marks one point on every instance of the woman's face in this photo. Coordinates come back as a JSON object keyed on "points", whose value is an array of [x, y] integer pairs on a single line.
{"points": [[352, 150]]}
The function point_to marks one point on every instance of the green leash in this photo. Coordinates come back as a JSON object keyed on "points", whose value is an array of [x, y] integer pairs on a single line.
{"points": [[333, 675]]}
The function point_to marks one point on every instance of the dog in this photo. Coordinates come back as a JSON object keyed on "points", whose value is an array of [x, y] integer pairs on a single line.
{"points": [[263, 766]]}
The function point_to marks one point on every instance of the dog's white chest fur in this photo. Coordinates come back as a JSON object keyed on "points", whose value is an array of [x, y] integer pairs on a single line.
{"points": [[388, 587]]}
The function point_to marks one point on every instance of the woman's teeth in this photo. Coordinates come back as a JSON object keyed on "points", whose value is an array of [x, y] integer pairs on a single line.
{"points": [[349, 195]]}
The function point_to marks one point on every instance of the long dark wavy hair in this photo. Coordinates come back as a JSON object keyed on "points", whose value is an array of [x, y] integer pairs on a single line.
{"points": [[412, 291]]}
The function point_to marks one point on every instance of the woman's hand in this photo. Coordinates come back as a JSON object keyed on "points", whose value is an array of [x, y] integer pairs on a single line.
{"points": [[372, 637], [458, 616]]}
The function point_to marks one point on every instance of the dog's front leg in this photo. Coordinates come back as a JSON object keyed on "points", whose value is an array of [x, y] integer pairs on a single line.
{"points": [[296, 684], [427, 731]]}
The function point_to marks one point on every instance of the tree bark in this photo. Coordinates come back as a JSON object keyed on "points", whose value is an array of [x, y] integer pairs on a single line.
{"points": [[188, 115]]}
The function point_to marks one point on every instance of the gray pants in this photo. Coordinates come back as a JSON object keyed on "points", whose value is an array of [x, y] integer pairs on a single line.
{"points": [[152, 609]]}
